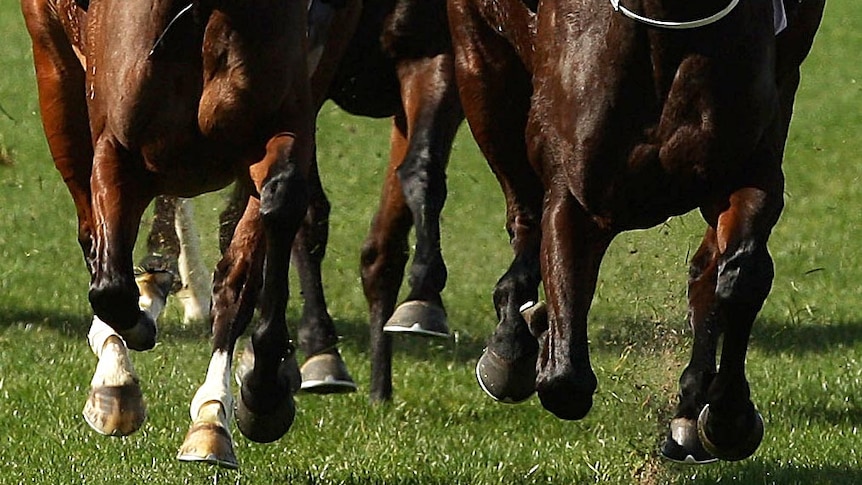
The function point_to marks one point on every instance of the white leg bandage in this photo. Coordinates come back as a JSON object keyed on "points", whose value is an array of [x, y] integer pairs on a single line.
{"points": [[216, 386]]}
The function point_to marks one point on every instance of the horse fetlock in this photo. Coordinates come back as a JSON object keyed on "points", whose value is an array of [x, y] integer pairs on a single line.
{"points": [[142, 335], [566, 393], [115, 302]]}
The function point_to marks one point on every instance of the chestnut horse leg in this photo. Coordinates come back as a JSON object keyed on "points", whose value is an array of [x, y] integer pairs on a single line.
{"points": [[236, 287], [115, 405], [495, 89], [414, 191], [265, 410]]}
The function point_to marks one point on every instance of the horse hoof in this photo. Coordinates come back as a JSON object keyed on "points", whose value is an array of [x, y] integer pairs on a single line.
{"points": [[682, 444], [115, 410], [737, 450], [208, 443], [265, 427], [505, 381], [418, 318], [326, 374]]}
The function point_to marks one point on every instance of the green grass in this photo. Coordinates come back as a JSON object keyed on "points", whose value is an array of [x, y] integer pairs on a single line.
{"points": [[804, 362]]}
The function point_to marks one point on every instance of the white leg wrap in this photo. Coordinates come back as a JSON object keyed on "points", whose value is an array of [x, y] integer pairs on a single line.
{"points": [[216, 387], [114, 368], [196, 278], [99, 333]]}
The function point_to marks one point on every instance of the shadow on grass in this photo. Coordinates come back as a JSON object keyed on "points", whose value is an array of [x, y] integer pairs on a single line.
{"points": [[787, 474], [355, 335], [76, 326], [781, 336]]}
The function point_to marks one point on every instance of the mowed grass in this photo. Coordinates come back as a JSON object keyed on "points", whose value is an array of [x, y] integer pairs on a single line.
{"points": [[804, 360]]}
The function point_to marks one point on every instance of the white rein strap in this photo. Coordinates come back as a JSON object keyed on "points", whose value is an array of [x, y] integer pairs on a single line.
{"points": [[691, 24]]}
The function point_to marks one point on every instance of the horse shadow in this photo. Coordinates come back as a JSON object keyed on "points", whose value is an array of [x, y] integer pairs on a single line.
{"points": [[777, 336]]}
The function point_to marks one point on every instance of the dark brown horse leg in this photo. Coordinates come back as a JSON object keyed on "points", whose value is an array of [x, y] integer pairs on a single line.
{"points": [[324, 371], [730, 280], [265, 410], [572, 250], [682, 443], [433, 115], [495, 91], [729, 427]]}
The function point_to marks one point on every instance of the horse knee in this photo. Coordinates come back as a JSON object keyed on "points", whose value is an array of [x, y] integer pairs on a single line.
{"points": [[745, 276], [423, 183], [284, 197]]}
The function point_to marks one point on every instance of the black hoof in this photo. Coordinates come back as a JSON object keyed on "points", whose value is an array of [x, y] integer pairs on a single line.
{"points": [[419, 318], [504, 380], [740, 446], [265, 426], [682, 444]]}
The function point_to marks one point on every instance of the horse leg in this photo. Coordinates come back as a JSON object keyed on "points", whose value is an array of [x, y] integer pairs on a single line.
{"points": [[495, 91], [724, 298], [682, 443], [572, 249], [159, 272], [265, 410], [115, 405], [729, 427], [383, 258], [63, 108], [433, 115], [196, 291], [324, 371], [235, 290]]}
